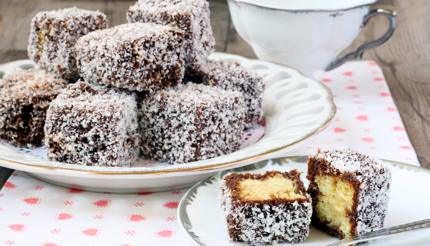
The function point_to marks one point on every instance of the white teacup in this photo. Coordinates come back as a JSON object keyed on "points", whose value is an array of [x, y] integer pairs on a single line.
{"points": [[305, 34]]}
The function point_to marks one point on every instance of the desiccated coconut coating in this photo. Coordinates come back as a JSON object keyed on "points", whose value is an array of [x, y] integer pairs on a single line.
{"points": [[191, 16], [266, 221], [369, 180], [191, 122], [137, 56], [231, 76], [92, 125], [53, 35], [24, 98]]}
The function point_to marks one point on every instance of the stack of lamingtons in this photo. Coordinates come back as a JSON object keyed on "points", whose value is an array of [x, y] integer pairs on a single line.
{"points": [[105, 96]]}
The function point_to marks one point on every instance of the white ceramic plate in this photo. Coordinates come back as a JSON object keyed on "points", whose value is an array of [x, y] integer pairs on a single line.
{"points": [[295, 108], [409, 201]]}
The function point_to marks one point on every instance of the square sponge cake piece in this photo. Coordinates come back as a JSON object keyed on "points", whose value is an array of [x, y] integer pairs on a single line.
{"points": [[92, 125], [53, 35], [230, 75], [25, 96], [266, 208], [191, 122], [137, 56], [191, 16], [349, 192]]}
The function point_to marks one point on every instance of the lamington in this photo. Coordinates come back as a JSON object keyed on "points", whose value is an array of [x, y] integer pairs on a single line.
{"points": [[266, 208], [230, 75], [349, 190], [191, 16], [191, 122], [24, 99], [92, 125], [53, 35], [137, 56]]}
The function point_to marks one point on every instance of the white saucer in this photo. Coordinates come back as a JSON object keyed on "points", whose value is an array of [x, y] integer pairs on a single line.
{"points": [[202, 218]]}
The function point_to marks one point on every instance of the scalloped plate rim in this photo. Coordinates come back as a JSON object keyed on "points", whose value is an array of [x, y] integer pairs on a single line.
{"points": [[76, 171]]}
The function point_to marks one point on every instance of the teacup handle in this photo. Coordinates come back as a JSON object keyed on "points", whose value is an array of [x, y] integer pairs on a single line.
{"points": [[358, 54]]}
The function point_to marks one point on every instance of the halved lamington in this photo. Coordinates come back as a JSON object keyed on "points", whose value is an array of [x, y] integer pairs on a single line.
{"points": [[25, 96], [137, 56], [53, 35], [191, 16], [191, 122], [229, 75], [349, 192], [266, 208], [93, 125]]}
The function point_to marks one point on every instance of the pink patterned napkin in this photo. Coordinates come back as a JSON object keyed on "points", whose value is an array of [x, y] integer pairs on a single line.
{"points": [[35, 213], [367, 119]]}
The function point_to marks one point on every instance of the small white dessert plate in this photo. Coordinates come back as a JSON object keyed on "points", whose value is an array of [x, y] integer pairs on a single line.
{"points": [[202, 218], [295, 108]]}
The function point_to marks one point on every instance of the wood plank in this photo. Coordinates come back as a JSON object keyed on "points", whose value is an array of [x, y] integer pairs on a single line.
{"points": [[405, 60], [12, 55]]}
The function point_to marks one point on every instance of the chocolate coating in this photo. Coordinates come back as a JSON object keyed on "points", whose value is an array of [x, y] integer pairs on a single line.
{"points": [[53, 35], [370, 179], [92, 125], [191, 122], [229, 75], [24, 99], [190, 16], [267, 221], [137, 56]]}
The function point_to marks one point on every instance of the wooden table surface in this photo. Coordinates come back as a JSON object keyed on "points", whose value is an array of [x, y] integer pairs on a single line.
{"points": [[405, 59]]}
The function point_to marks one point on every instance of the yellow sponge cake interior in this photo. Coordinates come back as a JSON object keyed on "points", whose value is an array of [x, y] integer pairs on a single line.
{"points": [[276, 186], [335, 202]]}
